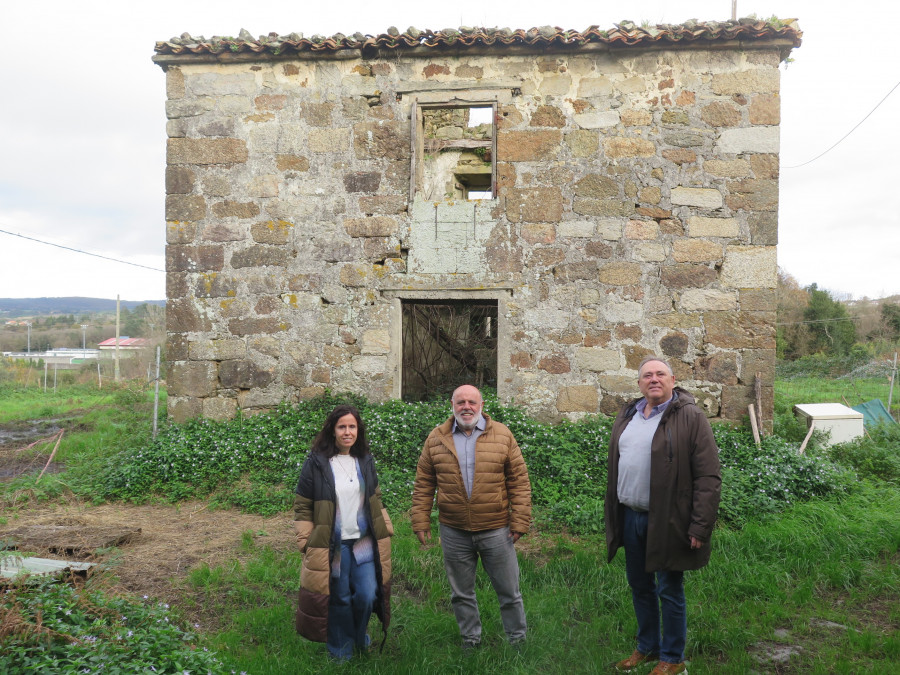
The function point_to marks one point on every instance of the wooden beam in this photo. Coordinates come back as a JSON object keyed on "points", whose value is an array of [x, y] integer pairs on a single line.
{"points": [[436, 144]]}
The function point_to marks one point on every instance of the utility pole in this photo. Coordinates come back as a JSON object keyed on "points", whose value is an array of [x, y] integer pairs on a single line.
{"points": [[734, 10], [28, 324], [117, 340]]}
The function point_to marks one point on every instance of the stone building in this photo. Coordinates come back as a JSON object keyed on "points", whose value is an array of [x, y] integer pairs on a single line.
{"points": [[529, 210]]}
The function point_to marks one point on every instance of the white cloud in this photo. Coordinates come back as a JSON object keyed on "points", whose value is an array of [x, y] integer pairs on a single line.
{"points": [[84, 126]]}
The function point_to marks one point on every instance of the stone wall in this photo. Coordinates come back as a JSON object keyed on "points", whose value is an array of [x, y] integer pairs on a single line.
{"points": [[636, 213]]}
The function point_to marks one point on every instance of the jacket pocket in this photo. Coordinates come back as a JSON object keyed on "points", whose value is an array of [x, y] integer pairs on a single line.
{"points": [[387, 522]]}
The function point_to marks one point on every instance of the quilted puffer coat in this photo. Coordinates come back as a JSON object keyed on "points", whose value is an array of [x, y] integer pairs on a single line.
{"points": [[314, 516], [501, 491]]}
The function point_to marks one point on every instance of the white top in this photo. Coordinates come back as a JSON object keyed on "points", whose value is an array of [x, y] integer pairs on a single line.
{"points": [[346, 484], [822, 411], [635, 443]]}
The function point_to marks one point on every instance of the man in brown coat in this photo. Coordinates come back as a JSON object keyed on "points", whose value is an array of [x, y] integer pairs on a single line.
{"points": [[662, 497], [484, 506]]}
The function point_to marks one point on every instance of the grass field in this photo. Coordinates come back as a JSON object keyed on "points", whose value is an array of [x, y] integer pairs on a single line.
{"points": [[849, 391], [817, 581], [822, 579]]}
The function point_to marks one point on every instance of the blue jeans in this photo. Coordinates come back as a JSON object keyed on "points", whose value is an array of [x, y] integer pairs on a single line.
{"points": [[498, 557], [653, 593], [352, 596]]}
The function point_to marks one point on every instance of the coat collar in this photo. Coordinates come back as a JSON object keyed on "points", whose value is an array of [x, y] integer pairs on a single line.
{"points": [[682, 398], [446, 428]]}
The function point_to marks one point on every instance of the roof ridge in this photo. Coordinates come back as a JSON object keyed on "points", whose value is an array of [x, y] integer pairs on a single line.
{"points": [[624, 33]]}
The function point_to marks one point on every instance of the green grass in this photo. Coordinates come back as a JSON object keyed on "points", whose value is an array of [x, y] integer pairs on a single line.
{"points": [[824, 561], [837, 390], [21, 403], [99, 426], [51, 627], [780, 566]]}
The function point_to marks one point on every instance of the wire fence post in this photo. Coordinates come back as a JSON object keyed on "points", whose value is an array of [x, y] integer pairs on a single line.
{"points": [[893, 377], [156, 394]]}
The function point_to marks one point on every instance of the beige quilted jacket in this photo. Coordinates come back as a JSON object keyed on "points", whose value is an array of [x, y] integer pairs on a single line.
{"points": [[501, 491]]}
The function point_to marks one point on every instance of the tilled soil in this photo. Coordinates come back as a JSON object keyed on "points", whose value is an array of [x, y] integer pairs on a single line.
{"points": [[166, 542]]}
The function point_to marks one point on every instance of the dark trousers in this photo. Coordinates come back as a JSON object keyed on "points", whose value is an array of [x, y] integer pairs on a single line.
{"points": [[654, 594]]}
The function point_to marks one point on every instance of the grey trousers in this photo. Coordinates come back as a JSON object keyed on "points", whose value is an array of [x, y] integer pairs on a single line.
{"points": [[498, 557]]}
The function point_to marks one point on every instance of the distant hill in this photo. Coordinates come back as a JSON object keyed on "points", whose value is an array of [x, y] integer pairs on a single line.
{"points": [[26, 306]]}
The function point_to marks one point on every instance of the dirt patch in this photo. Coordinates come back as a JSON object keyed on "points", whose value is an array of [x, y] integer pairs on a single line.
{"points": [[11, 467], [166, 542], [69, 540], [25, 447], [16, 434]]}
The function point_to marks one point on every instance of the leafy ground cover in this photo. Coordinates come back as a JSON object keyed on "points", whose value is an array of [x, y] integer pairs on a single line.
{"points": [[253, 463], [805, 562], [52, 627]]}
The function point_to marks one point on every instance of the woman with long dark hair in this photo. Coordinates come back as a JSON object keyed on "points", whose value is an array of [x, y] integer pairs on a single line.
{"points": [[344, 534]]}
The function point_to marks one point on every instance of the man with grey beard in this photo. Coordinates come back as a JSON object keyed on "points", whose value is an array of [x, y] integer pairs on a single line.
{"points": [[484, 506]]}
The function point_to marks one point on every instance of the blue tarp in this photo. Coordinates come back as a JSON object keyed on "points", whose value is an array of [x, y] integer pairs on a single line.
{"points": [[874, 413]]}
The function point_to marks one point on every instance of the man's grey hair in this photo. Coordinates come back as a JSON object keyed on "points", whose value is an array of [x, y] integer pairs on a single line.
{"points": [[648, 359]]}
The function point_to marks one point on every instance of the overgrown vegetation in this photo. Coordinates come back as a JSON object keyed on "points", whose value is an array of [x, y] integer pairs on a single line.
{"points": [[852, 378], [52, 627], [99, 425], [813, 320], [805, 541], [874, 456], [253, 463]]}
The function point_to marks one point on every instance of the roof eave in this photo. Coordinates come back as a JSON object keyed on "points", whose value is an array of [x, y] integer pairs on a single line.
{"points": [[784, 46]]}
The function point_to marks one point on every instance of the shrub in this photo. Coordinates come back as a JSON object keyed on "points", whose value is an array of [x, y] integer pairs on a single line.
{"points": [[821, 365], [760, 481], [253, 463], [875, 456], [53, 627]]}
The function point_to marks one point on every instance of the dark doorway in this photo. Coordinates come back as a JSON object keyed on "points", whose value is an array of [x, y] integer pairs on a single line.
{"points": [[447, 343]]}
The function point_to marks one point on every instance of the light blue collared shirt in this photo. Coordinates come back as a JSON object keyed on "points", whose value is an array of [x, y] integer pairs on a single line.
{"points": [[465, 450], [656, 410]]}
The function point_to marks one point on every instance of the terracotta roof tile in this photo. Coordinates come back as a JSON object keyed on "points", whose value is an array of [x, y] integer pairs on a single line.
{"points": [[624, 34]]}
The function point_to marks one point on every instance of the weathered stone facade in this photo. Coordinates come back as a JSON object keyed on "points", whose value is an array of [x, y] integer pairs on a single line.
{"points": [[635, 213]]}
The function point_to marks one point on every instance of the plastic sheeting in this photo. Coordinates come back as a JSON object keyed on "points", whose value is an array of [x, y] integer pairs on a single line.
{"points": [[874, 413]]}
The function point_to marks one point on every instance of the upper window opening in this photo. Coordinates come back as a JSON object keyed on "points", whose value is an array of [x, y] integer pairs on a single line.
{"points": [[455, 153]]}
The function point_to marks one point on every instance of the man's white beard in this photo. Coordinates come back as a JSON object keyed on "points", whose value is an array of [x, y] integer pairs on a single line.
{"points": [[468, 426]]}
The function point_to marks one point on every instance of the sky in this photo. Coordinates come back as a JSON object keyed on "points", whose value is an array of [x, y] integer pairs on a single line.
{"points": [[82, 126]]}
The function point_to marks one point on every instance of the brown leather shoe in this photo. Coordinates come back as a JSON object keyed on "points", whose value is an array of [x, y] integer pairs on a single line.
{"points": [[666, 668], [636, 659]]}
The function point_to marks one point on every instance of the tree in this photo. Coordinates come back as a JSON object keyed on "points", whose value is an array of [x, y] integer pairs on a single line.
{"points": [[129, 322], [792, 335], [145, 320], [830, 326], [890, 318]]}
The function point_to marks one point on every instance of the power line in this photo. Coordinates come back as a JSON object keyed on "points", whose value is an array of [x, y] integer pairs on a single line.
{"points": [[797, 166], [96, 255], [795, 323]]}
